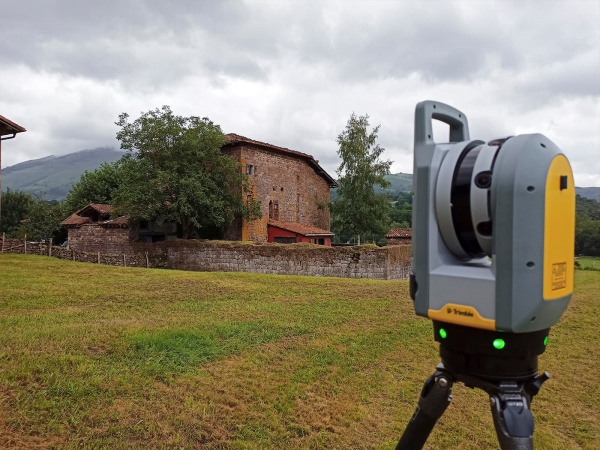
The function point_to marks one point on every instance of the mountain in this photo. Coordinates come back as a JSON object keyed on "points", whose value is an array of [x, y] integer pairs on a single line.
{"points": [[52, 176], [593, 193]]}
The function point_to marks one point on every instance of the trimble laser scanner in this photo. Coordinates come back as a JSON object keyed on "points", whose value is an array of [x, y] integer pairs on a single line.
{"points": [[493, 261]]}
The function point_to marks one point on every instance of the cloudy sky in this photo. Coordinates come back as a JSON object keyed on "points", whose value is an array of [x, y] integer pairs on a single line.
{"points": [[292, 72]]}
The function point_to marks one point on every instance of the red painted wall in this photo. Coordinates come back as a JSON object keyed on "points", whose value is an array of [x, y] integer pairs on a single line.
{"points": [[274, 231]]}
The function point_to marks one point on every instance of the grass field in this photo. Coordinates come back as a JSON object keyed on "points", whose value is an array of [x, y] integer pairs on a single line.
{"points": [[104, 357], [588, 263]]}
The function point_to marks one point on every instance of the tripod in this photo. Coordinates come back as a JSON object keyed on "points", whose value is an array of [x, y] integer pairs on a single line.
{"points": [[508, 376]]}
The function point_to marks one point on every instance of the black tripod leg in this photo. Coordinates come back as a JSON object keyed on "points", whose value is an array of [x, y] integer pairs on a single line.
{"points": [[435, 398], [513, 421]]}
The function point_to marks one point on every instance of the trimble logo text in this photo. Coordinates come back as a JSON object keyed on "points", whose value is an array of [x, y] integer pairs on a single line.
{"points": [[459, 312]]}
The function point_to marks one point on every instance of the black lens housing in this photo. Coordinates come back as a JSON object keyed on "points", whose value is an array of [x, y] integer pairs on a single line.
{"points": [[460, 198]]}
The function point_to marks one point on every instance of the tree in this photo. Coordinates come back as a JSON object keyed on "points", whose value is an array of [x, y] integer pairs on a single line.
{"points": [[357, 209], [176, 172], [587, 207], [15, 208], [42, 222], [401, 210], [587, 236], [587, 227], [98, 186]]}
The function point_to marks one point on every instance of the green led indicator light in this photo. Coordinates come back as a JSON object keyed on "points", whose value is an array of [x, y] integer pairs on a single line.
{"points": [[499, 344], [546, 341], [443, 333]]}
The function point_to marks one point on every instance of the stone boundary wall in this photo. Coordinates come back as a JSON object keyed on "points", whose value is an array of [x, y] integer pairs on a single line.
{"points": [[142, 257], [366, 261]]}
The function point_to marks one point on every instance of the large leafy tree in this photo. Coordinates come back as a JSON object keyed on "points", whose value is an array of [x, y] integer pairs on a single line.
{"points": [[98, 186], [357, 209], [176, 172]]}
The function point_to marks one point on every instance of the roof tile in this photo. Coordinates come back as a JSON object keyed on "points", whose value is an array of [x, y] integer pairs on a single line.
{"points": [[305, 230], [399, 233]]}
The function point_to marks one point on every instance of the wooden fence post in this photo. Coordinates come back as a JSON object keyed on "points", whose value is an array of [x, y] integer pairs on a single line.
{"points": [[50, 248], [124, 262], [98, 257], [3, 238], [147, 261], [25, 244]]}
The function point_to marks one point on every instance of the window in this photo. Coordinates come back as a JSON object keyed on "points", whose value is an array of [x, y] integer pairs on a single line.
{"points": [[274, 210], [284, 239], [250, 169]]}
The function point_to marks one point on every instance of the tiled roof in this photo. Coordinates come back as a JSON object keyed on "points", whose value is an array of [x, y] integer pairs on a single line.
{"points": [[9, 127], [304, 230], [79, 218], [121, 221], [74, 220], [399, 233], [232, 139], [102, 208]]}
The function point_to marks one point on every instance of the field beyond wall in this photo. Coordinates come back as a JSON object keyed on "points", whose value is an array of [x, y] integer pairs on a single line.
{"points": [[95, 356]]}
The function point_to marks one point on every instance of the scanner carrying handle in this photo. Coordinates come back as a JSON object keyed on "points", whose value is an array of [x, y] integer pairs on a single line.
{"points": [[428, 110]]}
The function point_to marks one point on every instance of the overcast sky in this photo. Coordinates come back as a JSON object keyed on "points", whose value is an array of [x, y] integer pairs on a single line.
{"points": [[291, 73]]}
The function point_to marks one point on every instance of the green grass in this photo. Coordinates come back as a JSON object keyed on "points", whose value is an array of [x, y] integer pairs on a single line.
{"points": [[106, 357], [587, 263]]}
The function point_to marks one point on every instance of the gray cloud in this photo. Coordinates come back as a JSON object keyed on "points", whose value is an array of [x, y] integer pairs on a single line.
{"points": [[291, 73]]}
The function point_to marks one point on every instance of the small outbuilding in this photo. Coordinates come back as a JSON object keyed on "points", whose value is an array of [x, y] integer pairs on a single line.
{"points": [[293, 232], [399, 236], [93, 229]]}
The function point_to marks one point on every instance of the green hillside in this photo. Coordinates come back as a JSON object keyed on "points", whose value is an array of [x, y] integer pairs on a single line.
{"points": [[399, 182], [593, 193], [53, 176]]}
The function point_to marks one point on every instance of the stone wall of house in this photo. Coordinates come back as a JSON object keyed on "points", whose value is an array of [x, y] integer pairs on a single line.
{"points": [[387, 263], [399, 241], [290, 181], [94, 238]]}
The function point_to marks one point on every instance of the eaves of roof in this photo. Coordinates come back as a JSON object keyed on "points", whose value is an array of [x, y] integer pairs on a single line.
{"points": [[298, 228], [9, 127]]}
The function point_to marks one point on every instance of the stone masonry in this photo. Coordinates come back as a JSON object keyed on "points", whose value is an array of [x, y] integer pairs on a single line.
{"points": [[291, 180], [370, 262], [93, 238]]}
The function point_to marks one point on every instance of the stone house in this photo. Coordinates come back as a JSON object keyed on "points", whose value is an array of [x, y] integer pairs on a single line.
{"points": [[92, 230], [399, 236], [292, 188]]}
